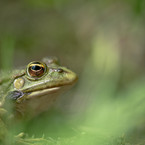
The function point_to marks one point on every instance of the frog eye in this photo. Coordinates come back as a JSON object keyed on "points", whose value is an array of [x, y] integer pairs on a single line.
{"points": [[36, 69]]}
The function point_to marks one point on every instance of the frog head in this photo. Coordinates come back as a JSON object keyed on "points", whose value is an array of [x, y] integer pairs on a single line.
{"points": [[35, 88]]}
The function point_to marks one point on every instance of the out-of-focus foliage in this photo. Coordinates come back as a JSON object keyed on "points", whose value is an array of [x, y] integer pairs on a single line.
{"points": [[103, 42]]}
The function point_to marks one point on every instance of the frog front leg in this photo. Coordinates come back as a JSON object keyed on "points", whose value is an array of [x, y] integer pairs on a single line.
{"points": [[3, 128], [11, 113]]}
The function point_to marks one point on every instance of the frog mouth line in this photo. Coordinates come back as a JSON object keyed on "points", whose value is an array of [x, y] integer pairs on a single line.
{"points": [[43, 92], [48, 91]]}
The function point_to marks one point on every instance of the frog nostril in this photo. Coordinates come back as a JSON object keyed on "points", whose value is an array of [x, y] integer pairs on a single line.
{"points": [[59, 70]]}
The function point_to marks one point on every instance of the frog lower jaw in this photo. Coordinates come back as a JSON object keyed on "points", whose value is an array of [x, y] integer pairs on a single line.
{"points": [[42, 92]]}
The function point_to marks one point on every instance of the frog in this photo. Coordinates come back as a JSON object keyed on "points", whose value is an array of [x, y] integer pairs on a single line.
{"points": [[28, 91]]}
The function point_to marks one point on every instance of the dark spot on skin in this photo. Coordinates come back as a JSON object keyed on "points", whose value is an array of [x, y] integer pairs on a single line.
{"points": [[14, 95]]}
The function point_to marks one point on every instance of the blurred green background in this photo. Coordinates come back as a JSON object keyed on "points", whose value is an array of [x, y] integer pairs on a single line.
{"points": [[103, 42]]}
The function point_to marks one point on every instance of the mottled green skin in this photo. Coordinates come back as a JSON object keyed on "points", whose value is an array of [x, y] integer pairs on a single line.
{"points": [[49, 80], [35, 98]]}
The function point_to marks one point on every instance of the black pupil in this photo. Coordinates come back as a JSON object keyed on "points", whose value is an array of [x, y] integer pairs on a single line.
{"points": [[36, 67]]}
